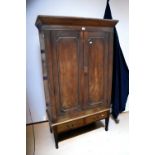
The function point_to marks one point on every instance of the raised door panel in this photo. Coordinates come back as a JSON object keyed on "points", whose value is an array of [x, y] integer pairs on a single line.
{"points": [[96, 62], [67, 72], [67, 51]]}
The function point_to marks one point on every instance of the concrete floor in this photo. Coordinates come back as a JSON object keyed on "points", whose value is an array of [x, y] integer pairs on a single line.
{"points": [[92, 139]]}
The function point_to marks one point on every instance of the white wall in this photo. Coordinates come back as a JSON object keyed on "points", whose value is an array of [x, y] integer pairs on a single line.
{"points": [[80, 8]]}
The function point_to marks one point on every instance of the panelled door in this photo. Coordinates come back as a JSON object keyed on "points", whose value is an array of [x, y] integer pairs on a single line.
{"points": [[67, 57], [96, 68], [78, 70]]}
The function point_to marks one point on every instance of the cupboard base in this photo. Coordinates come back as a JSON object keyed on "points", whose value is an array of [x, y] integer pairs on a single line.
{"points": [[77, 123]]}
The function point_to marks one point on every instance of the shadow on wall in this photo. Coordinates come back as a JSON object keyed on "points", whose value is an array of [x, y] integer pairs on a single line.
{"points": [[35, 98]]}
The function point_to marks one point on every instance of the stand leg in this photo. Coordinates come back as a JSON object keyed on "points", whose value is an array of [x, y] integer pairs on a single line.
{"points": [[56, 139], [50, 129], [106, 123]]}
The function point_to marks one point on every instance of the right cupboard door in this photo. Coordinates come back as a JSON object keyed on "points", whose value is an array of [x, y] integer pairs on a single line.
{"points": [[96, 68]]}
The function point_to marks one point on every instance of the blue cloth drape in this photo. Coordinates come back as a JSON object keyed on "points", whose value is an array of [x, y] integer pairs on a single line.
{"points": [[120, 85]]}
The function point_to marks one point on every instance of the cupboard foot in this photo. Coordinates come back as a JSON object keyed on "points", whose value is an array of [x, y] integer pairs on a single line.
{"points": [[56, 139], [106, 123]]}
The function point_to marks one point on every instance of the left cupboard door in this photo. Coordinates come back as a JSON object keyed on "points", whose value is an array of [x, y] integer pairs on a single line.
{"points": [[64, 50]]}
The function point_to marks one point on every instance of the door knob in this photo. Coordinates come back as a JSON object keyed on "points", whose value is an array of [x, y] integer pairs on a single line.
{"points": [[83, 28], [90, 42]]}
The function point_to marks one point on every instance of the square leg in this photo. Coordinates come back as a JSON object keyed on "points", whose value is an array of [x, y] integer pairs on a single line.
{"points": [[106, 123], [55, 138]]}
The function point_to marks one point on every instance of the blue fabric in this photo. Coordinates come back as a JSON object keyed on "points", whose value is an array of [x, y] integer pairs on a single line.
{"points": [[120, 85]]}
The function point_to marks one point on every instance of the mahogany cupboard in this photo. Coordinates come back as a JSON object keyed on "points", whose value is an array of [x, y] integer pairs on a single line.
{"points": [[77, 60]]}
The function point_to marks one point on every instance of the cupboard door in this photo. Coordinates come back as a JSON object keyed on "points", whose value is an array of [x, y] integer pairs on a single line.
{"points": [[96, 68], [67, 58]]}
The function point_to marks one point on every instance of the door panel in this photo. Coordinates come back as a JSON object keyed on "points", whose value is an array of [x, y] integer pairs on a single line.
{"points": [[96, 73], [96, 55], [67, 50], [68, 65]]}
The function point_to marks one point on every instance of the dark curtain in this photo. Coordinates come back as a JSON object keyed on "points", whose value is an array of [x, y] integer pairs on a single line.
{"points": [[120, 86]]}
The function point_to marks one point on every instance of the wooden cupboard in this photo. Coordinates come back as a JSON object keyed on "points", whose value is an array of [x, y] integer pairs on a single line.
{"points": [[77, 61]]}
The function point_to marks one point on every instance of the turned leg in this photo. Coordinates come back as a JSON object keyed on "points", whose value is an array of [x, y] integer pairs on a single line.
{"points": [[56, 139], [106, 123]]}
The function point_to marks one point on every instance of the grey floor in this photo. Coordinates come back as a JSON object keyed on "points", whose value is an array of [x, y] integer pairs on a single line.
{"points": [[92, 139]]}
